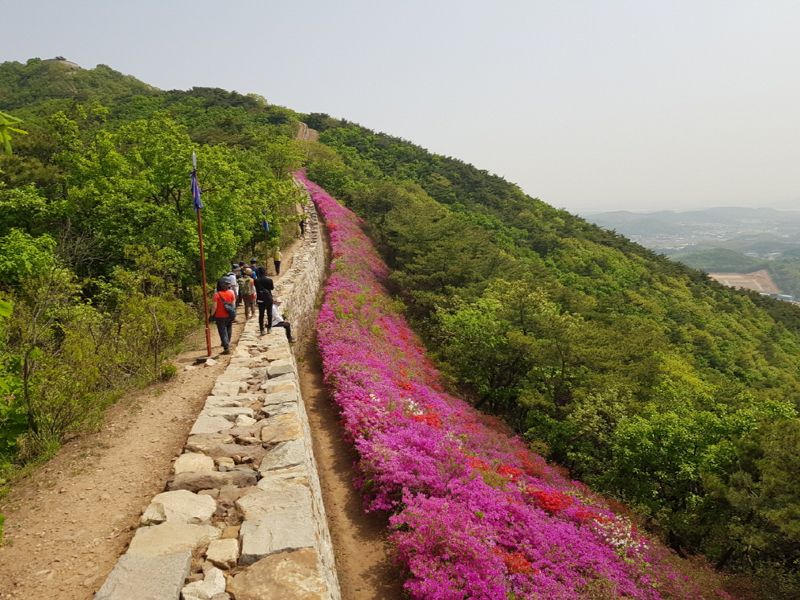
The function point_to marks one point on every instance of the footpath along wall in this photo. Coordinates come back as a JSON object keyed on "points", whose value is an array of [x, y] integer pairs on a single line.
{"points": [[242, 516]]}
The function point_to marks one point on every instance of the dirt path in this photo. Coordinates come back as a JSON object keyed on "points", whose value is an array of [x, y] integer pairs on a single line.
{"points": [[68, 522], [363, 555]]}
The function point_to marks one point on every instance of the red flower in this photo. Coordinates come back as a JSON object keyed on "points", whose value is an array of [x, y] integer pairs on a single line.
{"points": [[512, 473], [550, 500], [533, 465], [516, 563], [431, 419], [584, 515], [477, 463]]}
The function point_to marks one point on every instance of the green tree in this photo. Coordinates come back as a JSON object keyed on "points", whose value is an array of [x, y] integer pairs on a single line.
{"points": [[8, 127]]}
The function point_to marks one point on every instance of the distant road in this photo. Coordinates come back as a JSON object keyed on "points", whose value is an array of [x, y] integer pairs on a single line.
{"points": [[305, 133]]}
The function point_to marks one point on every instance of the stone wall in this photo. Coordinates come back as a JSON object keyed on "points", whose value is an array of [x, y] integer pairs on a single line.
{"points": [[299, 288], [242, 515]]}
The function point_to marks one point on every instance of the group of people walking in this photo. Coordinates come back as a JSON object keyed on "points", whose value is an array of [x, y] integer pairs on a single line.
{"points": [[249, 286]]}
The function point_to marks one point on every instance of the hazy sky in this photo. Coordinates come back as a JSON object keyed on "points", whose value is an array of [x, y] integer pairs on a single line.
{"points": [[589, 105]]}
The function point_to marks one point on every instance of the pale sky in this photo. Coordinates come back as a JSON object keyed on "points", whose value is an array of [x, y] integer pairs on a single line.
{"points": [[588, 105]]}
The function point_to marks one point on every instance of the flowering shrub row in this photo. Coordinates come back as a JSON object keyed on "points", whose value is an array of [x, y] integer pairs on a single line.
{"points": [[474, 513]]}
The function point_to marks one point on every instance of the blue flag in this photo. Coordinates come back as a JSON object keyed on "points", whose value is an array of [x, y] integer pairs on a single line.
{"points": [[198, 204]]}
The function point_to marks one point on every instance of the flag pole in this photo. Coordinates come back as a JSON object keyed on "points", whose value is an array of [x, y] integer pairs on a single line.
{"points": [[198, 209]]}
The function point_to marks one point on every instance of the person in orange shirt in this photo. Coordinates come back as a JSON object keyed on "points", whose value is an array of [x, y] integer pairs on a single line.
{"points": [[224, 313]]}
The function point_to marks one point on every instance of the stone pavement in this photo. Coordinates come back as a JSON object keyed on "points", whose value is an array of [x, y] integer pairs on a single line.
{"points": [[242, 515]]}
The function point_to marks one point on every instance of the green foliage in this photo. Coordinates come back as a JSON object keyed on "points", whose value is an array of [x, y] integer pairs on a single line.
{"points": [[761, 497], [168, 371], [98, 235], [8, 126]]}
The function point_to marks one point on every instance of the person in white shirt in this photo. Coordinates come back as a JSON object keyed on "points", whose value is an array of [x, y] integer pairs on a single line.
{"points": [[231, 276], [278, 321]]}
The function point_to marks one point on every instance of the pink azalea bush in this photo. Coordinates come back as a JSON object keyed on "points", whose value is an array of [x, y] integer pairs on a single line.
{"points": [[474, 513]]}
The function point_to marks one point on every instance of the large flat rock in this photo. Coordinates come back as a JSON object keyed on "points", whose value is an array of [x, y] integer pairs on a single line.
{"points": [[287, 528], [240, 400], [284, 456], [282, 397], [180, 506], [228, 412], [202, 442], [293, 575], [281, 428], [144, 577], [280, 494], [240, 453], [208, 424], [194, 482], [276, 387], [193, 462], [280, 367], [171, 538], [228, 388]]}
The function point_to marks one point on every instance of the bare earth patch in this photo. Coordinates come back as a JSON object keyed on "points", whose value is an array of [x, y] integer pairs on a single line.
{"points": [[759, 281]]}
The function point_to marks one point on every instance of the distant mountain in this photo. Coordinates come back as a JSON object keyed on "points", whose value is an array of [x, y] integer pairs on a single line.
{"points": [[640, 223], [762, 233]]}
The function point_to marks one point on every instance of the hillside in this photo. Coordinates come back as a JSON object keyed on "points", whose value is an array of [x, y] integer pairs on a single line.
{"points": [[647, 380]]}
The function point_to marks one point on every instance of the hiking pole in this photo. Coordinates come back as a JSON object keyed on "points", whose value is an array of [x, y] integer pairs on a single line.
{"points": [[198, 209]]}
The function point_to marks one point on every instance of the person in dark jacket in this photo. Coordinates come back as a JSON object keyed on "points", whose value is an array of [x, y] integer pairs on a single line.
{"points": [[264, 287]]}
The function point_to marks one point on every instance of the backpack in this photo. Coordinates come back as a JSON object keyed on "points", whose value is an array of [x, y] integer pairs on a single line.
{"points": [[247, 288], [264, 290], [231, 308]]}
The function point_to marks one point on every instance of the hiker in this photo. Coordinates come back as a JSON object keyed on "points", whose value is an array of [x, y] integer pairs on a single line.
{"points": [[230, 277], [254, 267], [224, 312], [278, 321], [302, 224], [276, 260], [241, 281], [264, 287], [247, 288]]}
